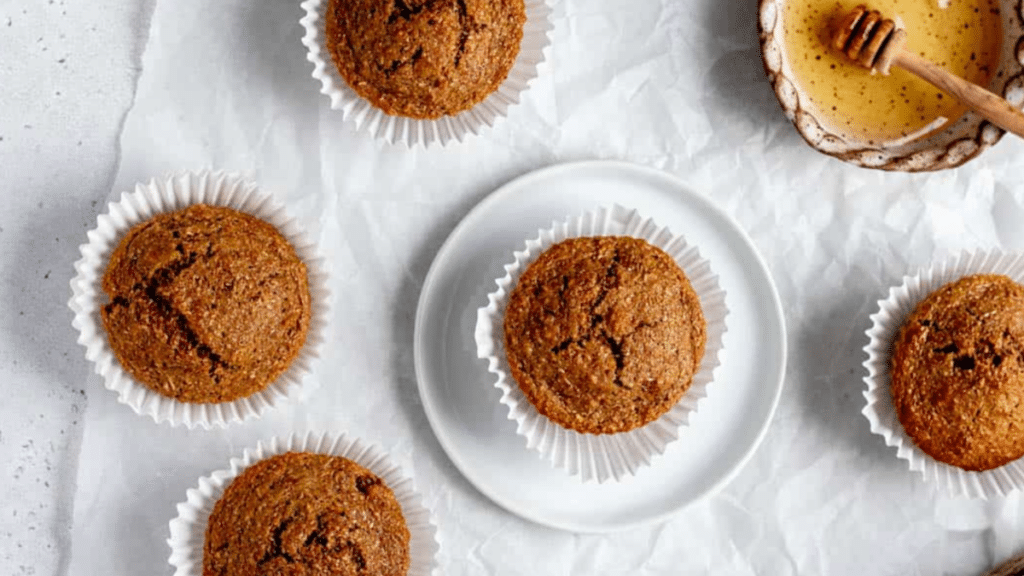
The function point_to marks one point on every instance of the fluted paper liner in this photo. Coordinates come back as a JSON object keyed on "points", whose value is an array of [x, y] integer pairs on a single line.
{"points": [[443, 130], [881, 412], [188, 529], [167, 195], [602, 456]]}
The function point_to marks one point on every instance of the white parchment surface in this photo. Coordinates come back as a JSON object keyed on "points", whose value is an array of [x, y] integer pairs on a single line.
{"points": [[674, 85]]}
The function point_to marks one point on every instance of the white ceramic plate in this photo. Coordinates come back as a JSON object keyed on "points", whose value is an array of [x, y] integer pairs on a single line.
{"points": [[462, 403]]}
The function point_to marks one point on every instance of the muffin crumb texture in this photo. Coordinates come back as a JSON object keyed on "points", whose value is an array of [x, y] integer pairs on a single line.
{"points": [[958, 373], [207, 304], [604, 334], [306, 514], [424, 58]]}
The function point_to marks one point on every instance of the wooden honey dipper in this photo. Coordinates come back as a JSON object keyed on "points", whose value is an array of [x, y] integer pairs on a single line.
{"points": [[873, 42]]}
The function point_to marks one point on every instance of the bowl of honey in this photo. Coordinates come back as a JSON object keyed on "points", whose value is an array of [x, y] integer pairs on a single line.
{"points": [[896, 121]]}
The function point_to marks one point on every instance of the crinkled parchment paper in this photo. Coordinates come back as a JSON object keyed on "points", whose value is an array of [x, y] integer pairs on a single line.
{"points": [[675, 85]]}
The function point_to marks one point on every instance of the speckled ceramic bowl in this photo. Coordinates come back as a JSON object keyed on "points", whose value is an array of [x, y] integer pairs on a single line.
{"points": [[957, 143]]}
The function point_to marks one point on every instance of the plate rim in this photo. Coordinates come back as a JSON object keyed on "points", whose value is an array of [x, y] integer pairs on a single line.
{"points": [[555, 170]]}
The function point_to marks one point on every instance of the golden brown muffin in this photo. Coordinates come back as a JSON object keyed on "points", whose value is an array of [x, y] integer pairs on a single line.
{"points": [[424, 58], [958, 373], [604, 334], [207, 304], [306, 514]]}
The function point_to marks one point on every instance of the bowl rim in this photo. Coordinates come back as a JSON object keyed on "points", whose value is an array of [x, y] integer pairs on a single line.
{"points": [[962, 141]]}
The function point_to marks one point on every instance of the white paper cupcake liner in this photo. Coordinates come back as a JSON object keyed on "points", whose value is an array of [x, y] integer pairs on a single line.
{"points": [[444, 130], [188, 529], [881, 412], [167, 195], [602, 456]]}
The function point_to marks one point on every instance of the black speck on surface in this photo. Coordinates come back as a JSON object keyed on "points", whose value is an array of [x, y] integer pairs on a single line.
{"points": [[28, 126], [62, 60], [47, 275]]}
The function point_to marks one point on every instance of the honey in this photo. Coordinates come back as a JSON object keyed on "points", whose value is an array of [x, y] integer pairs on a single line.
{"points": [[963, 36]]}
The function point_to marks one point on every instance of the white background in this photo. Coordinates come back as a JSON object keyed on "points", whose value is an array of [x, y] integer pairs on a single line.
{"points": [[95, 96]]}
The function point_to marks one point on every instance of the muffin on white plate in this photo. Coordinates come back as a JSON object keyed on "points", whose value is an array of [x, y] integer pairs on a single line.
{"points": [[604, 335]]}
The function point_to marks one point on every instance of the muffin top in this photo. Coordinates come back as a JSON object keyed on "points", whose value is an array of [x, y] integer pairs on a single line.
{"points": [[301, 513], [424, 58], [207, 304], [958, 373], [604, 334]]}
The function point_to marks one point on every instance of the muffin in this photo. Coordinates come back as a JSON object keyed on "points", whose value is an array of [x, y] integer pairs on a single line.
{"points": [[304, 513], [957, 373], [206, 304], [424, 59], [603, 334]]}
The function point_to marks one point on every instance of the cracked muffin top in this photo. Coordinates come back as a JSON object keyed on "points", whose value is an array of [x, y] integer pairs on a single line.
{"points": [[958, 373], [300, 513], [424, 58], [604, 334], [207, 304]]}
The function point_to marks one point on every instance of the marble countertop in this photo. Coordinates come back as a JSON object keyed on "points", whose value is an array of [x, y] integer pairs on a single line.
{"points": [[679, 88], [67, 78]]}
